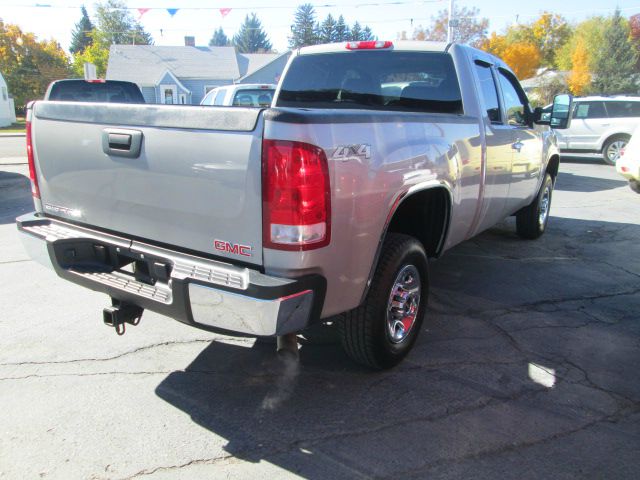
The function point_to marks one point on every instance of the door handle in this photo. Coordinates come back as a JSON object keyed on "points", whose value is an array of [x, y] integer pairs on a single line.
{"points": [[121, 142], [517, 146]]}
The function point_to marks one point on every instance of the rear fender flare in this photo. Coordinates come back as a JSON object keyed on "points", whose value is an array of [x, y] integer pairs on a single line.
{"points": [[399, 199]]}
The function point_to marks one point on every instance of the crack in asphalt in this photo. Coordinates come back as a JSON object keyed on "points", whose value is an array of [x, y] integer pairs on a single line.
{"points": [[107, 359], [425, 467], [614, 395], [199, 461], [309, 442]]}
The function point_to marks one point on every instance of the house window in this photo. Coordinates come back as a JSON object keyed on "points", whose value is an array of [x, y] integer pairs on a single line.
{"points": [[4, 93], [168, 96]]}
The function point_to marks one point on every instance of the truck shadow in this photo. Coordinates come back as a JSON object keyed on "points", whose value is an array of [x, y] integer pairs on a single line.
{"points": [[520, 346], [571, 182], [15, 196]]}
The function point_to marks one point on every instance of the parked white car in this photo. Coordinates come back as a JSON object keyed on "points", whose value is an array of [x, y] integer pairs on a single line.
{"points": [[600, 125], [628, 165], [245, 95]]}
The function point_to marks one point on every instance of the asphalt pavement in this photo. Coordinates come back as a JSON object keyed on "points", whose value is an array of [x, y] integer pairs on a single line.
{"points": [[527, 367]]}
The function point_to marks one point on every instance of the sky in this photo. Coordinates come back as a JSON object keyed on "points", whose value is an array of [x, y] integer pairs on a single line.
{"points": [[199, 18]]}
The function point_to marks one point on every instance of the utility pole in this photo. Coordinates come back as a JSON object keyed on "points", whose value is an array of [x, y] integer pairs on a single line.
{"points": [[450, 23]]}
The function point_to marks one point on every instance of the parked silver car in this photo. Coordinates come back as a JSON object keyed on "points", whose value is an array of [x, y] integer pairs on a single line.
{"points": [[601, 125]]}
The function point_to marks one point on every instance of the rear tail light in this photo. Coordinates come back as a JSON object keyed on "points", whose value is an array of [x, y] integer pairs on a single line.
{"points": [[96, 80], [369, 45], [35, 191], [296, 199]]}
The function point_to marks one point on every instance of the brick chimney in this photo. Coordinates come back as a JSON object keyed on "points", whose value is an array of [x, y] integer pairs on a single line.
{"points": [[189, 41]]}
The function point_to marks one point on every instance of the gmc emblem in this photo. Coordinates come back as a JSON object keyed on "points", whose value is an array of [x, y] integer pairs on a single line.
{"points": [[235, 248]]}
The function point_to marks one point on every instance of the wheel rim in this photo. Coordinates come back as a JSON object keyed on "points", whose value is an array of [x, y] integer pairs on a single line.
{"points": [[545, 203], [403, 304], [614, 150]]}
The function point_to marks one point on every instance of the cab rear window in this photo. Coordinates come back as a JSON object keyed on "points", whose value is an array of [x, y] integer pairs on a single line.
{"points": [[374, 80], [111, 91], [253, 98]]}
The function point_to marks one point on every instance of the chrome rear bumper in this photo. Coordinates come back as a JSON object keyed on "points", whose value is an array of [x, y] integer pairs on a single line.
{"points": [[205, 293]]}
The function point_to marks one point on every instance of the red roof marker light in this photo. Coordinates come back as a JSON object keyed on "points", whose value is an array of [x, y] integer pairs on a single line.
{"points": [[369, 45]]}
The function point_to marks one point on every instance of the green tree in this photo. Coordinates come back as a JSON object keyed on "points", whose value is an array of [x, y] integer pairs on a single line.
{"points": [[342, 30], [117, 26], [80, 37], [303, 30], [219, 39], [327, 31], [367, 34], [114, 24], [469, 28], [28, 64], [96, 53], [590, 32], [251, 37], [614, 65], [356, 32]]}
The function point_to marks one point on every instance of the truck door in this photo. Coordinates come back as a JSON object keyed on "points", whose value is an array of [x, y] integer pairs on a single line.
{"points": [[498, 137], [526, 146]]}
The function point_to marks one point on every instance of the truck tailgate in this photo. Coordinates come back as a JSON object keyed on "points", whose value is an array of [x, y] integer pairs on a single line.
{"points": [[194, 182]]}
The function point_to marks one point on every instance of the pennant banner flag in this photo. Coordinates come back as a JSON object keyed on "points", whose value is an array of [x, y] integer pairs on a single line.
{"points": [[172, 11], [142, 11], [224, 12]]}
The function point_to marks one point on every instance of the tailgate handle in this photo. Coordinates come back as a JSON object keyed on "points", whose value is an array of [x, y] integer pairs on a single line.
{"points": [[121, 142]]}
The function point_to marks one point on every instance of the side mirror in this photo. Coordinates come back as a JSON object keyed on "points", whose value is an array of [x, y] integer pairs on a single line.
{"points": [[541, 115], [561, 112]]}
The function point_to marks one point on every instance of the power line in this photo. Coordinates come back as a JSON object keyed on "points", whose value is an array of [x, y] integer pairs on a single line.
{"points": [[275, 7]]}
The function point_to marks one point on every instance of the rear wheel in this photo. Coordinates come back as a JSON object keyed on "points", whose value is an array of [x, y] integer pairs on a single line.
{"points": [[613, 147], [380, 332], [531, 221]]}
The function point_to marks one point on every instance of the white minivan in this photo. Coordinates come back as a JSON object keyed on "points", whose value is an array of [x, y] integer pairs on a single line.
{"points": [[600, 125]]}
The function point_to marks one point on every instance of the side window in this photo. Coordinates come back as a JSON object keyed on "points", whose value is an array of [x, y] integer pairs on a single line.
{"points": [[208, 99], [489, 92], [587, 110], [621, 109], [219, 100], [514, 101]]}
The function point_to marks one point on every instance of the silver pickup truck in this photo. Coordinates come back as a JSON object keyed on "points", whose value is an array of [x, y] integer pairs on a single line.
{"points": [[374, 157]]}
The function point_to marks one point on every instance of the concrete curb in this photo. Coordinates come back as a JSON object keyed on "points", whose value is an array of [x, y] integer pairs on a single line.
{"points": [[12, 134]]}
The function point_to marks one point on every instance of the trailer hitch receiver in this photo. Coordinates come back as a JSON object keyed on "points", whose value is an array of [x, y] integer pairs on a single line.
{"points": [[121, 313]]}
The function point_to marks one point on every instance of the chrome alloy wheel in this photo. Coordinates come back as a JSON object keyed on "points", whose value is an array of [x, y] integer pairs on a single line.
{"points": [[614, 150], [545, 203], [403, 304]]}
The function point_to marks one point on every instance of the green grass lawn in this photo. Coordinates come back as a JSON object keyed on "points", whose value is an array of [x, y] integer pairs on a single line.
{"points": [[17, 127]]}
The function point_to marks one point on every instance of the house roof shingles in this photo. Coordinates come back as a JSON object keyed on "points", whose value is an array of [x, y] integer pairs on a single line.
{"points": [[145, 64]]}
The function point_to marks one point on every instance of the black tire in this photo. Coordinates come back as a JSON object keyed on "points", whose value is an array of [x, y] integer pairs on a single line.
{"points": [[529, 221], [634, 185], [364, 331], [608, 150]]}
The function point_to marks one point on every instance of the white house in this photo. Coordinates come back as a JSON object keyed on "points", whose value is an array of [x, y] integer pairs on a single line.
{"points": [[7, 109]]}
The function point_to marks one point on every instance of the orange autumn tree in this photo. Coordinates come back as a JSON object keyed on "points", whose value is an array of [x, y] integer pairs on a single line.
{"points": [[580, 78], [28, 64], [523, 57]]}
